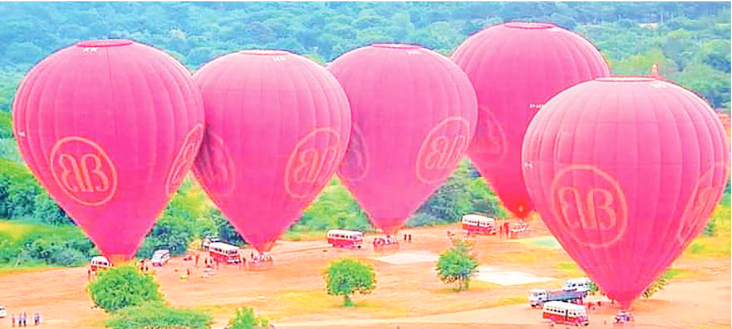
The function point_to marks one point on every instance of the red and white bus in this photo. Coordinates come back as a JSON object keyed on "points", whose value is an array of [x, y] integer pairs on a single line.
{"points": [[224, 252], [344, 238], [566, 313], [477, 224]]}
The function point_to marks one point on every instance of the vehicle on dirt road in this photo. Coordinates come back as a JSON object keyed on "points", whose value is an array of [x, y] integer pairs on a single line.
{"points": [[537, 297], [623, 317], [99, 263], [477, 224], [224, 253], [578, 284], [160, 257], [344, 238], [565, 313], [207, 241]]}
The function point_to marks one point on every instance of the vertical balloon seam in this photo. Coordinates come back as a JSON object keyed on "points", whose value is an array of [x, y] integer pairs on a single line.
{"points": [[167, 156], [24, 108], [646, 241], [676, 213]]}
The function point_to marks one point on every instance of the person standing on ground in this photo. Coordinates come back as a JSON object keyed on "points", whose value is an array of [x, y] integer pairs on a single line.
{"points": [[12, 317], [197, 256]]}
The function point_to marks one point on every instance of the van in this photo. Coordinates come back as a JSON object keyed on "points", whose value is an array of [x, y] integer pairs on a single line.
{"points": [[578, 284], [160, 257], [99, 263]]}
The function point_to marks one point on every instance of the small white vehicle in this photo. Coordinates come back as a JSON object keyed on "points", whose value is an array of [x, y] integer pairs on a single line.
{"points": [[565, 313], [98, 263], [578, 284], [3, 312], [160, 257]]}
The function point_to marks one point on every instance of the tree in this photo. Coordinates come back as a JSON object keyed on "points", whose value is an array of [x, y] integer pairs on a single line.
{"points": [[348, 276], [49, 211], [246, 319], [457, 265], [123, 286]]}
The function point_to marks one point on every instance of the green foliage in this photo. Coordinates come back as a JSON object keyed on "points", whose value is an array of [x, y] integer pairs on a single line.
{"points": [[457, 265], [123, 286], [18, 190], [48, 211], [593, 289], [349, 276], [246, 319], [6, 125], [334, 208], [158, 315]]}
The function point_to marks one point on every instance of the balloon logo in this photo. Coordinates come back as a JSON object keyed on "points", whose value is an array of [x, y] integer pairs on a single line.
{"points": [[83, 170], [312, 162], [185, 158], [702, 201], [216, 165], [441, 149], [355, 164], [589, 212]]}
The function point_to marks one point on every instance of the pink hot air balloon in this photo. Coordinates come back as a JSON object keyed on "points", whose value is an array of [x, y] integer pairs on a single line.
{"points": [[515, 68], [277, 128], [414, 113], [625, 172], [110, 128]]}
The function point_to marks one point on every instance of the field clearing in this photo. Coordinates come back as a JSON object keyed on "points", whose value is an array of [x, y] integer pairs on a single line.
{"points": [[292, 294]]}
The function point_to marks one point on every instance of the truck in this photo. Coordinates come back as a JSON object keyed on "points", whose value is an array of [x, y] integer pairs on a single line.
{"points": [[537, 297]]}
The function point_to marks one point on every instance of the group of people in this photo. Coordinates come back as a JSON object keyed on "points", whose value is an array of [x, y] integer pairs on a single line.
{"points": [[22, 319], [510, 231], [389, 239]]}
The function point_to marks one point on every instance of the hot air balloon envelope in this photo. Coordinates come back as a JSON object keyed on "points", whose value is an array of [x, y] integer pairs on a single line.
{"points": [[625, 172], [277, 128], [110, 128], [516, 68], [414, 114]]}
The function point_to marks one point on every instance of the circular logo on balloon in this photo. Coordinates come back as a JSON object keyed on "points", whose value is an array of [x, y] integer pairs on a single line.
{"points": [[83, 170], [312, 162], [215, 166], [701, 203], [442, 149], [490, 138], [355, 163], [589, 205], [184, 160]]}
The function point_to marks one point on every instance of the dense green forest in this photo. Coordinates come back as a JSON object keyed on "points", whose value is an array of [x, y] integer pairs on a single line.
{"points": [[689, 41]]}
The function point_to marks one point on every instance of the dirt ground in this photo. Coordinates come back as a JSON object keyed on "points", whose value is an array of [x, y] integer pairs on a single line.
{"points": [[292, 293]]}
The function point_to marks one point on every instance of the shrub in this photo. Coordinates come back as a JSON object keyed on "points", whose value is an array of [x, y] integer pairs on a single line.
{"points": [[68, 257], [158, 315], [123, 286], [246, 319], [347, 277]]}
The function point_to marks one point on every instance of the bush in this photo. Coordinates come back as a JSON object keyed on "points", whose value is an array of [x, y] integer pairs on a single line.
{"points": [[123, 286], [457, 266], [158, 315], [246, 319], [658, 285], [347, 277], [68, 257], [48, 210]]}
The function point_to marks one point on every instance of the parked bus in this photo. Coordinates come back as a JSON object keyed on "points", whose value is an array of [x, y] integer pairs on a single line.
{"points": [[565, 313], [477, 224], [345, 239], [224, 252]]}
